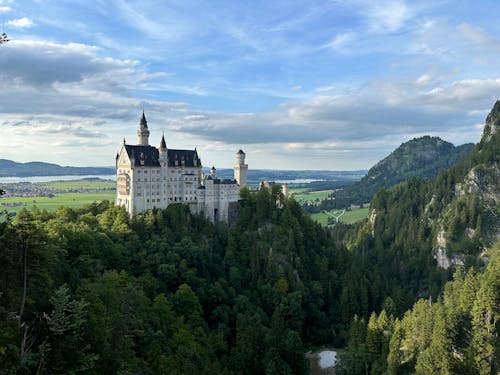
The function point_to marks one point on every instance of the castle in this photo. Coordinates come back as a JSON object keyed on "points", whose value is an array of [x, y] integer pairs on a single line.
{"points": [[148, 177]]}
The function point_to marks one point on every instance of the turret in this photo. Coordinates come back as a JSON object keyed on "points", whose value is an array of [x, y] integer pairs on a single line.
{"points": [[163, 151], [163, 145], [212, 172], [284, 189], [240, 169], [143, 132]]}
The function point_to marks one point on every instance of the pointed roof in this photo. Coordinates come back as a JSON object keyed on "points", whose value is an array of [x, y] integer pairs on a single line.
{"points": [[240, 152], [163, 144], [144, 123]]}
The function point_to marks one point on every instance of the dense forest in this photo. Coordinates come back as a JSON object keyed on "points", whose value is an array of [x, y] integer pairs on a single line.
{"points": [[450, 332], [94, 291]]}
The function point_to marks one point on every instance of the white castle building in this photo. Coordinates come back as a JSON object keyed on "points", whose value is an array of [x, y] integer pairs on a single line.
{"points": [[148, 177]]}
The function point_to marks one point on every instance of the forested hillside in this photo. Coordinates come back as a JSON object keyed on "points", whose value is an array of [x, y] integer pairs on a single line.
{"points": [[92, 291], [9, 168], [421, 157], [454, 219]]}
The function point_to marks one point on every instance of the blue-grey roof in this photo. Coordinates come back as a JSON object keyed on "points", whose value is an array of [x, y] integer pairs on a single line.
{"points": [[148, 156], [188, 156]]}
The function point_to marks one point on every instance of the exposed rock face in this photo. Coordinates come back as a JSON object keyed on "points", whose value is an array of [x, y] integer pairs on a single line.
{"points": [[441, 255], [373, 216], [483, 181], [440, 251], [492, 123]]}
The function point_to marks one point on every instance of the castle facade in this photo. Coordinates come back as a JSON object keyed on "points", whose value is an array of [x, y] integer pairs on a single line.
{"points": [[148, 177]]}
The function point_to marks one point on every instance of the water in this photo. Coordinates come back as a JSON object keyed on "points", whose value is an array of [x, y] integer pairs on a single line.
{"points": [[327, 359], [299, 181], [7, 180]]}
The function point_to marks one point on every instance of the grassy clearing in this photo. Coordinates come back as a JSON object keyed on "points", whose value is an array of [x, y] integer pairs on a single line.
{"points": [[73, 200], [311, 196], [81, 184], [320, 217], [348, 217], [297, 191]]}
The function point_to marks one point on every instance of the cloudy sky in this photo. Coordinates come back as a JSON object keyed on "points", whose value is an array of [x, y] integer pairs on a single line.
{"points": [[295, 84]]}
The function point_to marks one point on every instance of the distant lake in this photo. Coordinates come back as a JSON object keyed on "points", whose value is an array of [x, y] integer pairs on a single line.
{"points": [[299, 181], [7, 180]]}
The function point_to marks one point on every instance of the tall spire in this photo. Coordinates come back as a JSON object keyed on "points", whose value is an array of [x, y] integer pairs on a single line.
{"points": [[144, 123], [163, 144], [143, 132]]}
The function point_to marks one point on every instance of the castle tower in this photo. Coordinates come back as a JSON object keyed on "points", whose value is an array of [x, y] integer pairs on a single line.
{"points": [[163, 150], [284, 189], [143, 132], [212, 172], [240, 169]]}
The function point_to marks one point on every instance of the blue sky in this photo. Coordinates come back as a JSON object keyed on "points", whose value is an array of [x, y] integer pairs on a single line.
{"points": [[296, 84]]}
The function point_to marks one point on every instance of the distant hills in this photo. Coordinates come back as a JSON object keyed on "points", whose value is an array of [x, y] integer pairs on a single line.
{"points": [[423, 157], [255, 176], [9, 168]]}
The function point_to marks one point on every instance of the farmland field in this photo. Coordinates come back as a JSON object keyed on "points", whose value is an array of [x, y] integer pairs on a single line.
{"points": [[93, 184], [73, 200], [354, 215], [303, 195], [347, 217]]}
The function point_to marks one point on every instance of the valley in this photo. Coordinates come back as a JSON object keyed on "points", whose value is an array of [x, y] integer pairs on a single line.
{"points": [[261, 292]]}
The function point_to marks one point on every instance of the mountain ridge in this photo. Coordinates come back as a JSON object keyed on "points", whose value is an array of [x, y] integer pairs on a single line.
{"points": [[10, 168], [422, 157]]}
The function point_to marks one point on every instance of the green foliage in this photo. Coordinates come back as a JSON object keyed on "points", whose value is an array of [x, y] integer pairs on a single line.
{"points": [[94, 291], [393, 261], [167, 292]]}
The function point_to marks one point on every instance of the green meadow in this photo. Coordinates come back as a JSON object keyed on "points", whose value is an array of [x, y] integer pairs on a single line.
{"points": [[348, 217], [73, 200], [303, 195], [76, 200], [81, 184]]}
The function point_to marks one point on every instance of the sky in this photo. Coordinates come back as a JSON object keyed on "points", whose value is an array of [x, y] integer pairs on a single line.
{"points": [[297, 84]]}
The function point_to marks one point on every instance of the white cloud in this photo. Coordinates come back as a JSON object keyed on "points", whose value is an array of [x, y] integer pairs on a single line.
{"points": [[21, 22], [325, 88], [424, 79], [386, 16], [478, 36], [416, 85], [5, 9], [196, 118], [341, 41], [365, 116]]}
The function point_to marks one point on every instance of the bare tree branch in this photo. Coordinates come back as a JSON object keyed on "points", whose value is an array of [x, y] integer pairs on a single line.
{"points": [[4, 38]]}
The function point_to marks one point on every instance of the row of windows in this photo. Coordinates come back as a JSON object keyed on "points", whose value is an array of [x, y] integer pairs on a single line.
{"points": [[175, 199], [179, 199]]}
